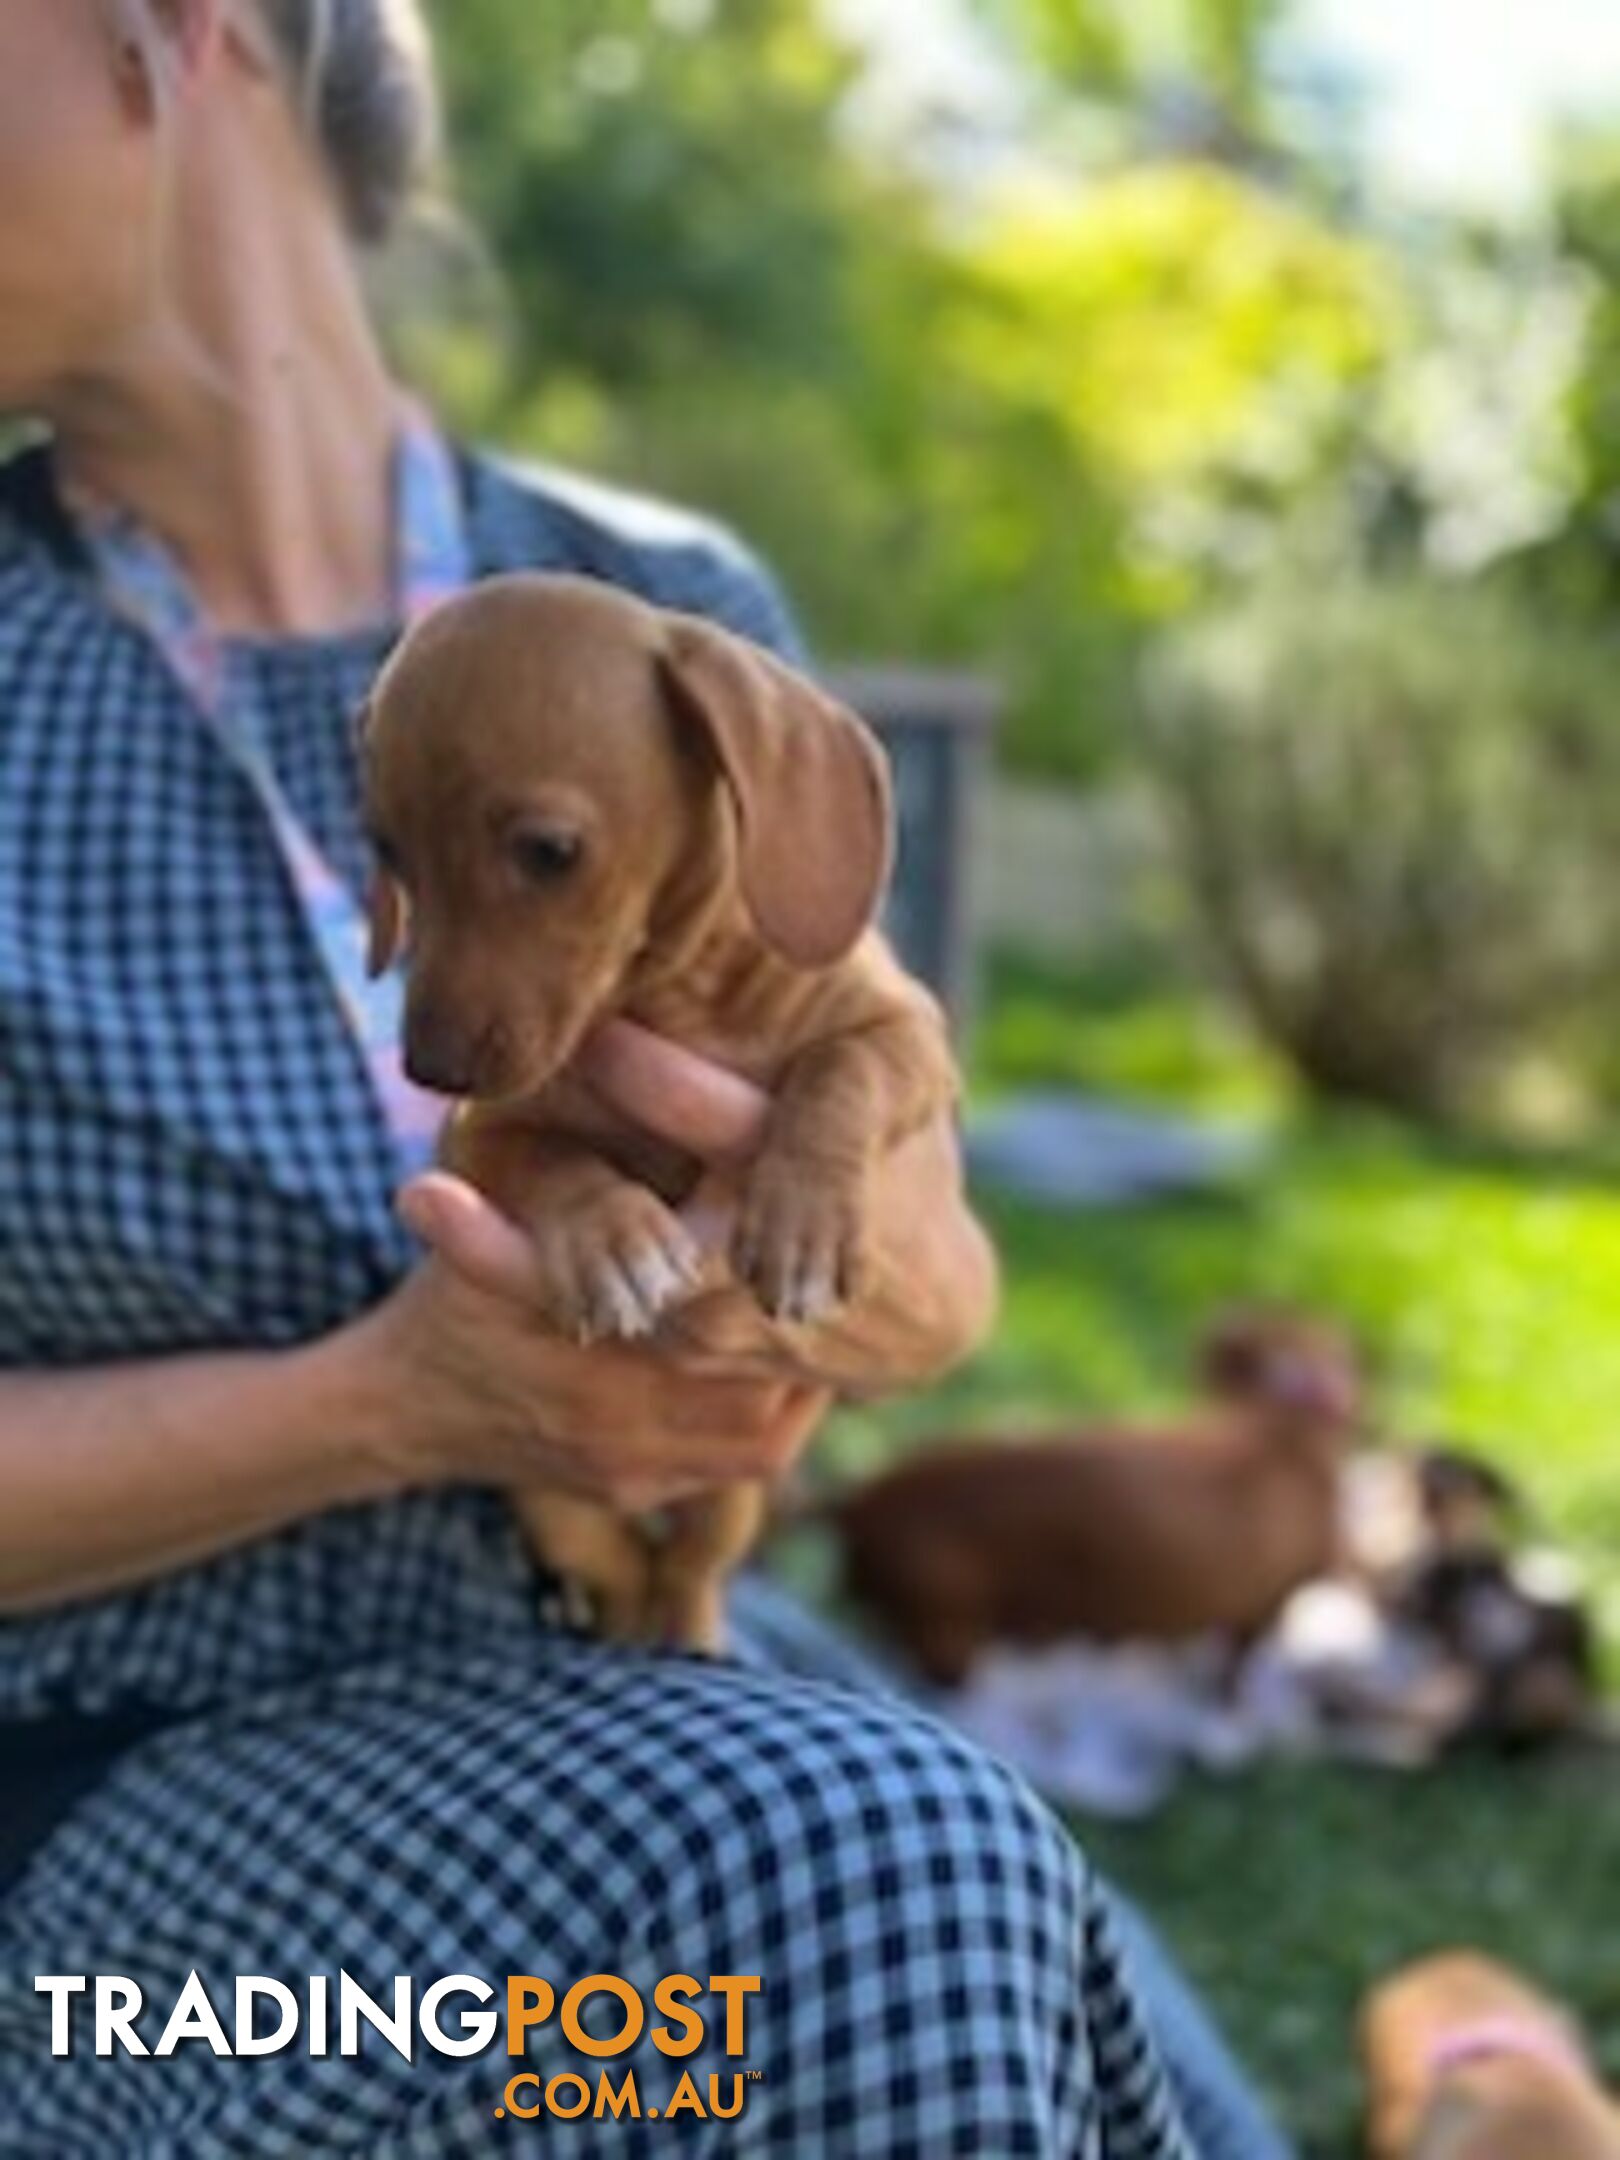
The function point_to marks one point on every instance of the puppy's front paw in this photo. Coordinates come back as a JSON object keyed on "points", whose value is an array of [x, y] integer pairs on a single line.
{"points": [[800, 1239], [614, 1268]]}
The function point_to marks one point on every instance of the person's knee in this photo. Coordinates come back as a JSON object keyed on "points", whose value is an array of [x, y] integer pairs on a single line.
{"points": [[843, 1828], [918, 1924]]}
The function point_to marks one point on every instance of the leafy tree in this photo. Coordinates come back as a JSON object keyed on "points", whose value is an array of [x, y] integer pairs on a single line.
{"points": [[1181, 320], [659, 178], [1119, 48], [1410, 908], [958, 436], [1580, 563]]}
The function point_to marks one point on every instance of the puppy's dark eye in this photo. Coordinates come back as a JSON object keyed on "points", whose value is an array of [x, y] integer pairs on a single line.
{"points": [[544, 857], [385, 852]]}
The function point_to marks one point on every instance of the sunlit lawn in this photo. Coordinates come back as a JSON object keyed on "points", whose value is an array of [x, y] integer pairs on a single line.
{"points": [[1287, 1893], [1486, 1290]]}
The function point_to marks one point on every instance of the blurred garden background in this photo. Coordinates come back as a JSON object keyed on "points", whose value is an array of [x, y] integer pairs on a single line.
{"points": [[1237, 383]]}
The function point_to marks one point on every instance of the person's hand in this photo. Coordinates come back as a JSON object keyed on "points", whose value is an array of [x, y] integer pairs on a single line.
{"points": [[468, 1386], [464, 1387], [932, 1281], [695, 1105], [928, 1298], [931, 1296]]}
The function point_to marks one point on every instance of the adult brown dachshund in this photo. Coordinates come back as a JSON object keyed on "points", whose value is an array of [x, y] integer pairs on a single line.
{"points": [[585, 807], [1466, 2061], [1116, 1533]]}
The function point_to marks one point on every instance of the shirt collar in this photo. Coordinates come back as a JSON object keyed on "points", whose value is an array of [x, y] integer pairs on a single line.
{"points": [[140, 575]]}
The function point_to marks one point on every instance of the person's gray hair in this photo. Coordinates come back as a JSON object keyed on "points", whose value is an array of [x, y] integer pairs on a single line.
{"points": [[361, 75]]}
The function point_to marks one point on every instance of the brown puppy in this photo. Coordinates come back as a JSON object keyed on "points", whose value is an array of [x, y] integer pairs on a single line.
{"points": [[1466, 2062], [1116, 1533], [584, 807]]}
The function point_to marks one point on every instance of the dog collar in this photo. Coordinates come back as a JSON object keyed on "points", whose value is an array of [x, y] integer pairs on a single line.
{"points": [[1529, 2038]]}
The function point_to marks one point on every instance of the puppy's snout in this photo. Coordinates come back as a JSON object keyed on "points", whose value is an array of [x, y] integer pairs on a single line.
{"points": [[442, 1056]]}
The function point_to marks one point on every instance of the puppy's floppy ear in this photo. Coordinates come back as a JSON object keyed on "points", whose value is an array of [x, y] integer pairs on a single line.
{"points": [[1232, 1357], [385, 910], [810, 783], [1251, 1352], [386, 919]]}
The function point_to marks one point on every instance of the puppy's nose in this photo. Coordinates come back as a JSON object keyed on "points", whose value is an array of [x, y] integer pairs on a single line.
{"points": [[442, 1062]]}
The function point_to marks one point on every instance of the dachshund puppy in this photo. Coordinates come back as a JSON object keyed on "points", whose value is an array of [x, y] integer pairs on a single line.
{"points": [[1116, 1533], [1407, 1509], [1431, 1542], [1520, 1631], [1465, 2061], [583, 807], [1469, 1505]]}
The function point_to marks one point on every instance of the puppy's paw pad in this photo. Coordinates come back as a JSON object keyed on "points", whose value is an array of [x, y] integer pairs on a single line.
{"points": [[799, 1245], [559, 1289], [629, 1260]]}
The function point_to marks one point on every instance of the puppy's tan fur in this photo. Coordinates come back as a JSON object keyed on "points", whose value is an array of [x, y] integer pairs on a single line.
{"points": [[586, 807], [1116, 1533], [1504, 2105]]}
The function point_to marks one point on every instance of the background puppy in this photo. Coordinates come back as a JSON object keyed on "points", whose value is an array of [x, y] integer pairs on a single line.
{"points": [[1528, 1645], [582, 807], [1465, 2061], [1116, 1533], [1431, 1539], [1469, 1505]]}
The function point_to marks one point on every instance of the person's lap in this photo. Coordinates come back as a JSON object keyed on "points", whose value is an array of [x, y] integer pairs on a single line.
{"points": [[937, 1963], [1223, 2114]]}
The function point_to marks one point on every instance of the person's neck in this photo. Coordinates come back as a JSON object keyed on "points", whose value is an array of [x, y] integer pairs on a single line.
{"points": [[252, 429]]}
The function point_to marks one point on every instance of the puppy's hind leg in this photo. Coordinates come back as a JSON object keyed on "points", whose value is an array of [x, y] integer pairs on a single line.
{"points": [[708, 1537], [590, 1547]]}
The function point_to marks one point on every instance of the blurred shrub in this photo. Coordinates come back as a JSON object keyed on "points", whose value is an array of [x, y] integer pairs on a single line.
{"points": [[1397, 808], [1127, 52], [1184, 321], [1017, 428], [658, 180]]}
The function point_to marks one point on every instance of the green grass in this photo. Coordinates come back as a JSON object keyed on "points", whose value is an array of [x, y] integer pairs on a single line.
{"points": [[1485, 1287], [1288, 1892]]}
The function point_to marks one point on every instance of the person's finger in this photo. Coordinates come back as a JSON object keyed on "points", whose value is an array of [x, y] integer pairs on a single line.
{"points": [[470, 1234], [711, 1213], [730, 1409], [766, 1421], [650, 1496], [803, 1414], [673, 1093]]}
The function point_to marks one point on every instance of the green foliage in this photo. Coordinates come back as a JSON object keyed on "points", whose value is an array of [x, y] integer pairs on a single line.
{"points": [[1115, 47], [1398, 808], [1138, 1024], [1589, 231], [1199, 344], [1003, 439], [1576, 564], [1290, 1892], [1178, 319], [657, 178]]}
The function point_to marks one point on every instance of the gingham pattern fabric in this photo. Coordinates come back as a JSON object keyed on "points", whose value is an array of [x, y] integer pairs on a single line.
{"points": [[380, 1758], [141, 578]]}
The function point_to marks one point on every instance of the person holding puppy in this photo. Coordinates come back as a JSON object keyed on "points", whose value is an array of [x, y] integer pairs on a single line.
{"points": [[274, 1696]]}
